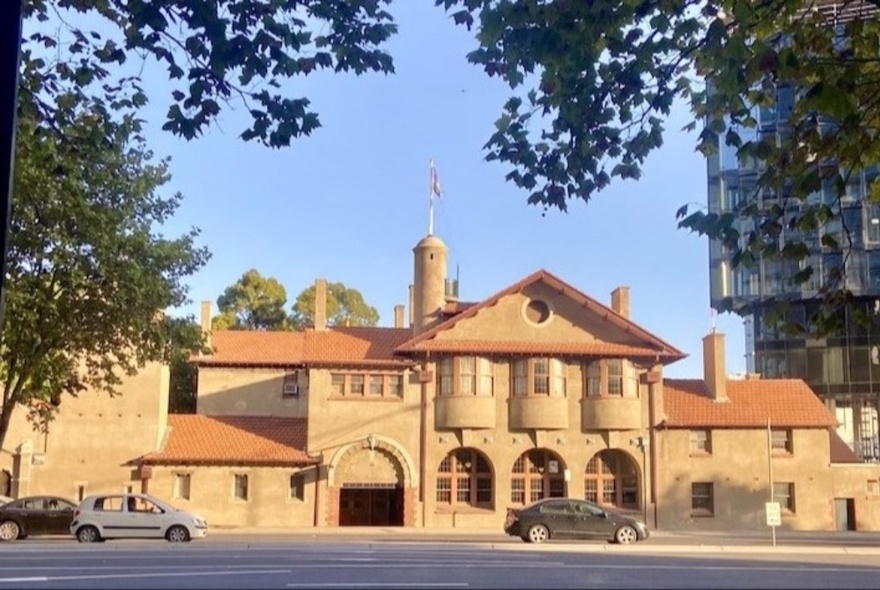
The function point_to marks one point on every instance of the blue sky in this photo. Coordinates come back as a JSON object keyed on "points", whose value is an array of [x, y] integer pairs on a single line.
{"points": [[350, 202]]}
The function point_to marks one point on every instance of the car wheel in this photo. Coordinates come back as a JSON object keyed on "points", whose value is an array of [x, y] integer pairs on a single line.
{"points": [[538, 533], [626, 535], [177, 534], [9, 530], [88, 534]]}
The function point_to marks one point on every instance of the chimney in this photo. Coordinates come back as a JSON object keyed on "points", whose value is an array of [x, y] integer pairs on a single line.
{"points": [[398, 316], [620, 301], [205, 321], [411, 307], [714, 371], [320, 319]]}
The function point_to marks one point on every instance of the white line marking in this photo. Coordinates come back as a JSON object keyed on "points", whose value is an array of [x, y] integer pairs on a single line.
{"points": [[383, 585], [149, 575]]}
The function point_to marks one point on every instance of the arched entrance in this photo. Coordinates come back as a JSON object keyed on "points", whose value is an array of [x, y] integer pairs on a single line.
{"points": [[612, 479], [537, 474], [371, 479]]}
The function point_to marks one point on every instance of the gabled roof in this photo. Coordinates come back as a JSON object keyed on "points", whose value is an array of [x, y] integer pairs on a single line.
{"points": [[787, 403], [338, 345], [196, 439], [654, 346]]}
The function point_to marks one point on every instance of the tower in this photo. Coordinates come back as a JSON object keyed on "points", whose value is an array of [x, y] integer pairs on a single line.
{"points": [[429, 282]]}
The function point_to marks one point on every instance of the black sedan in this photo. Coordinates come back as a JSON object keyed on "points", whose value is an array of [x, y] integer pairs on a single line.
{"points": [[567, 518], [35, 515]]}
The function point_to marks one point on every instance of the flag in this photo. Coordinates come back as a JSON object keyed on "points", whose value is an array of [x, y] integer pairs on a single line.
{"points": [[436, 191]]}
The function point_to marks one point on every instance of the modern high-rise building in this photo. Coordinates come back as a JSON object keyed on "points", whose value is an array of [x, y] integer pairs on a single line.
{"points": [[843, 369]]}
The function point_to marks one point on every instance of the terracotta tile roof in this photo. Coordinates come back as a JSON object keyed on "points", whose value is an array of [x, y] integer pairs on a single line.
{"points": [[246, 347], [339, 345], [233, 440], [786, 402], [664, 350], [551, 348], [840, 451]]}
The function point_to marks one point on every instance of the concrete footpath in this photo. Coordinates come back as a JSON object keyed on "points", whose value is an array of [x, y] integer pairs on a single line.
{"points": [[680, 542]]}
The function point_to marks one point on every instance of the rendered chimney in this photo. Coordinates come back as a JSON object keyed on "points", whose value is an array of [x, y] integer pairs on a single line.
{"points": [[320, 319], [398, 316], [620, 301], [205, 321], [714, 370], [411, 307]]}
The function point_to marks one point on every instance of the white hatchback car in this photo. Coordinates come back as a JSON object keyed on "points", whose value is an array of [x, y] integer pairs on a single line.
{"points": [[133, 516]]}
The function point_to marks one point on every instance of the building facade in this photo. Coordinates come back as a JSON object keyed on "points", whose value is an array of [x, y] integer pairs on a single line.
{"points": [[844, 368], [465, 410]]}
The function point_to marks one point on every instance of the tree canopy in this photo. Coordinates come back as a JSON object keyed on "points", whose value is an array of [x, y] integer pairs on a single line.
{"points": [[253, 302], [89, 275], [592, 85], [345, 307]]}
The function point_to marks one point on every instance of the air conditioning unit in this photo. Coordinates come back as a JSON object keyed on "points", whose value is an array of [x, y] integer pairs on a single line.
{"points": [[291, 388]]}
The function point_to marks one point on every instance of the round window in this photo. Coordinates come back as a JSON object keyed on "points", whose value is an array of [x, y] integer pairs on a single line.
{"points": [[537, 311]]}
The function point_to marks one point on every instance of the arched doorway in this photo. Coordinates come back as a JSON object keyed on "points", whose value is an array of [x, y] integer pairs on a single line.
{"points": [[537, 474], [612, 479], [371, 479]]}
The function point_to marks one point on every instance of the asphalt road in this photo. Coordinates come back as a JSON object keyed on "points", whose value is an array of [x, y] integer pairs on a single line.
{"points": [[418, 565]]}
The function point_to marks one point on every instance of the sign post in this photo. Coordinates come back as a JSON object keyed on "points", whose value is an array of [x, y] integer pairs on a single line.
{"points": [[772, 509]]}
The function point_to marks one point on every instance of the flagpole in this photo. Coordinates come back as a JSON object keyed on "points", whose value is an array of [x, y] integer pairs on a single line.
{"points": [[431, 200]]}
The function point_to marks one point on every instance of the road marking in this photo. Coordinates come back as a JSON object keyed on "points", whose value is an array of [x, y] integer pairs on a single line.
{"points": [[148, 575], [383, 585]]}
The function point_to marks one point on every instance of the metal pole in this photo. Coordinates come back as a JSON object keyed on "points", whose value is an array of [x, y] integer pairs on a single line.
{"points": [[770, 471], [10, 58]]}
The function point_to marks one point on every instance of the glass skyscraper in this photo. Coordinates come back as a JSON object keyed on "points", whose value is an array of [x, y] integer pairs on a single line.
{"points": [[843, 368]]}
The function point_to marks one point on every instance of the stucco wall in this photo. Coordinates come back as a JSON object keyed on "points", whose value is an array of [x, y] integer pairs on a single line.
{"points": [[568, 323], [248, 392], [861, 482], [739, 469], [93, 438], [211, 495]]}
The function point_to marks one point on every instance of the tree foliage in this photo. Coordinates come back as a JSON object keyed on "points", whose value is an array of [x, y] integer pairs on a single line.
{"points": [[594, 82], [223, 52], [345, 307], [88, 274], [253, 302]]}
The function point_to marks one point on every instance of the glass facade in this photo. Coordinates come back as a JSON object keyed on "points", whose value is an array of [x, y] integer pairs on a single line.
{"points": [[843, 369]]}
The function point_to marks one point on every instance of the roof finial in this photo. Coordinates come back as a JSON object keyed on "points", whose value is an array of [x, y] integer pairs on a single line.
{"points": [[712, 314]]}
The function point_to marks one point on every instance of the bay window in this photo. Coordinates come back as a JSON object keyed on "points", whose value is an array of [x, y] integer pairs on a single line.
{"points": [[466, 375], [539, 376], [612, 377]]}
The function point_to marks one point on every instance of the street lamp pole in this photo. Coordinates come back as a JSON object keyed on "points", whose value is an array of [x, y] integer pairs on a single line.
{"points": [[10, 58]]}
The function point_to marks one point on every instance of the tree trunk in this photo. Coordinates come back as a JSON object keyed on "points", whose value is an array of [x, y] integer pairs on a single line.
{"points": [[5, 419]]}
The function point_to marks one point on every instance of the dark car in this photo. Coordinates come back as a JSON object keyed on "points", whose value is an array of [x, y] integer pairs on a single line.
{"points": [[567, 518], [35, 515]]}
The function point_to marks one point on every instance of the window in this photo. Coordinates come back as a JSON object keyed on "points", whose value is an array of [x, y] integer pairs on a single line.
{"points": [[240, 486], [466, 375], [109, 504], [780, 442], [703, 499], [182, 483], [297, 485], [539, 376], [464, 478], [783, 492], [337, 384], [611, 479], [290, 388], [537, 475], [366, 386], [127, 488], [612, 377], [356, 384], [701, 442]]}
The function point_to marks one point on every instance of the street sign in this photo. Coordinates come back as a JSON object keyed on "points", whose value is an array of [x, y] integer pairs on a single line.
{"points": [[774, 513]]}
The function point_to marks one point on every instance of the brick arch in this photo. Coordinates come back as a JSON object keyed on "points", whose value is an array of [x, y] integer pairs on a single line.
{"points": [[386, 446], [612, 478]]}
